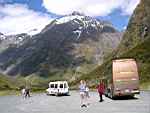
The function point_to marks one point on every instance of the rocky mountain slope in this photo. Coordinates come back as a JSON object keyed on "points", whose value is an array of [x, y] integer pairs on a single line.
{"points": [[68, 44], [138, 27], [7, 41]]}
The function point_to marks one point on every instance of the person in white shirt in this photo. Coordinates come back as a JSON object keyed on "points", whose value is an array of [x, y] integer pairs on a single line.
{"points": [[23, 93], [82, 88]]}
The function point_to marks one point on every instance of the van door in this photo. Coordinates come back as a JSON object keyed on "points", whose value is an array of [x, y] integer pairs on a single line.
{"points": [[61, 88], [56, 88], [66, 87]]}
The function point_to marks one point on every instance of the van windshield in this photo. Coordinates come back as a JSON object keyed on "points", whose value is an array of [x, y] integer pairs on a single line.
{"points": [[65, 86]]}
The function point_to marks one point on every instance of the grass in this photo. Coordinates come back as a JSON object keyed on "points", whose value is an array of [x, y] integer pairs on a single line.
{"points": [[145, 86], [9, 92]]}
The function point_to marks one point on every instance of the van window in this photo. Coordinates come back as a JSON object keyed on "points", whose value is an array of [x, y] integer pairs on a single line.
{"points": [[61, 85], [56, 85], [52, 85], [65, 86]]}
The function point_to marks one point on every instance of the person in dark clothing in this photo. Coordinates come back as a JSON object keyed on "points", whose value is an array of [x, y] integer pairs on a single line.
{"points": [[27, 92], [101, 89]]}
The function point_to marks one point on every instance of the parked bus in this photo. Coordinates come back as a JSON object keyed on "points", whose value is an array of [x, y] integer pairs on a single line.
{"points": [[58, 88], [124, 79]]}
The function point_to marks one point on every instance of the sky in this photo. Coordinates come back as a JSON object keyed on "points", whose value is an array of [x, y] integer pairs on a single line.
{"points": [[31, 16]]}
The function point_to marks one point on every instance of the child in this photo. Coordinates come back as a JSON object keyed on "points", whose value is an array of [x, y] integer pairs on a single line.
{"points": [[87, 94]]}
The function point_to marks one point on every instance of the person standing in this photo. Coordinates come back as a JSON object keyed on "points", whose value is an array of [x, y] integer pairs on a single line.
{"points": [[82, 88], [101, 89], [87, 95], [23, 92], [87, 92], [27, 92]]}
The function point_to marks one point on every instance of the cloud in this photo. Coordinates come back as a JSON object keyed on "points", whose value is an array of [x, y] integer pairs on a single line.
{"points": [[90, 7], [18, 18], [129, 6], [125, 27]]}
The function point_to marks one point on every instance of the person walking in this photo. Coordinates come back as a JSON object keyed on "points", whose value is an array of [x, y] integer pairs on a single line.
{"points": [[23, 92], [87, 95], [27, 92], [87, 92], [101, 89], [82, 88]]}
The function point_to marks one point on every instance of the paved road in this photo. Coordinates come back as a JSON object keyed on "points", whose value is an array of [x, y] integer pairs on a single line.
{"points": [[41, 103]]}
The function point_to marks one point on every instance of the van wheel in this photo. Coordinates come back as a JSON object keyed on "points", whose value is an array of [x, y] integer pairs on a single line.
{"points": [[56, 94], [68, 94]]}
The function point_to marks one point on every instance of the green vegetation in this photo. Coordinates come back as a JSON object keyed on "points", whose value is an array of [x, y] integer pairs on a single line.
{"points": [[9, 92], [138, 28], [11, 83], [37, 83]]}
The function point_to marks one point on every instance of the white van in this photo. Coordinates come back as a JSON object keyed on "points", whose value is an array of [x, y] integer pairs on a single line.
{"points": [[58, 88]]}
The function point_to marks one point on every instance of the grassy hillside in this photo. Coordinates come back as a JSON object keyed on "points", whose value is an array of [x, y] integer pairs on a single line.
{"points": [[4, 82], [138, 29], [8, 83], [16, 83], [34, 82]]}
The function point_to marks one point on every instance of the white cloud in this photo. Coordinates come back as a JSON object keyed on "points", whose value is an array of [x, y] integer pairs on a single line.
{"points": [[17, 18], [90, 7], [129, 6], [125, 27]]}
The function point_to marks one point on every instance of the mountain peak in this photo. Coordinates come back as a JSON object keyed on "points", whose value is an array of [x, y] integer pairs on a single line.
{"points": [[74, 13], [81, 23]]}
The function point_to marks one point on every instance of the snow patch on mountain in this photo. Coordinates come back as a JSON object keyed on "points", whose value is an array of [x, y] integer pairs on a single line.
{"points": [[85, 21], [68, 18], [7, 41], [78, 32], [2, 37]]}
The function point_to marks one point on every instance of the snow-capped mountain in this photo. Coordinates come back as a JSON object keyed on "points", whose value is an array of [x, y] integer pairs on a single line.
{"points": [[81, 23], [12, 40], [81, 19], [67, 43], [2, 37]]}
